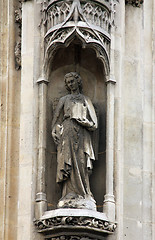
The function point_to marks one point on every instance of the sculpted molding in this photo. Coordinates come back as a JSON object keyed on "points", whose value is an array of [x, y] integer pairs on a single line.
{"points": [[91, 223], [18, 55], [17, 50], [135, 3]]}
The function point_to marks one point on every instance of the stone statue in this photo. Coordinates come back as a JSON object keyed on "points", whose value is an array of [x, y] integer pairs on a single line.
{"points": [[73, 122]]}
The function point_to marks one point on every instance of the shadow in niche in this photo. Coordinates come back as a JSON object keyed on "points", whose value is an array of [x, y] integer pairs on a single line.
{"points": [[85, 62]]}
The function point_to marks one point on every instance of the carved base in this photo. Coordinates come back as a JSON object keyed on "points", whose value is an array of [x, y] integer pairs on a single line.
{"points": [[74, 224], [78, 202], [109, 207]]}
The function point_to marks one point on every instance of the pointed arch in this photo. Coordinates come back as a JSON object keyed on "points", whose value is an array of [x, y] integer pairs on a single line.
{"points": [[65, 37]]}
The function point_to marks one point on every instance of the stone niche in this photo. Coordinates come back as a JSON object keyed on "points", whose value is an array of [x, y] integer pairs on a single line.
{"points": [[93, 80], [77, 39]]}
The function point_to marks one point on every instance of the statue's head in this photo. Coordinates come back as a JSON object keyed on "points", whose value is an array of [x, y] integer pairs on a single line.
{"points": [[76, 77]]}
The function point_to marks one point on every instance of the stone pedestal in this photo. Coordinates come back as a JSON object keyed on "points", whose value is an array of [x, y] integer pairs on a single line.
{"points": [[80, 223]]}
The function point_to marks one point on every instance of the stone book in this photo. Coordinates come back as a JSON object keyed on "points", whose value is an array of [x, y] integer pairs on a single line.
{"points": [[79, 111]]}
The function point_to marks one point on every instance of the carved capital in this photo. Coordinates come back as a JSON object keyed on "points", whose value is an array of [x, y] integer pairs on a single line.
{"points": [[42, 80], [135, 3], [110, 80], [41, 197]]}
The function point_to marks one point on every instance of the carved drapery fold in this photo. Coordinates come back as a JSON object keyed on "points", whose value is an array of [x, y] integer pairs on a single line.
{"points": [[135, 3]]}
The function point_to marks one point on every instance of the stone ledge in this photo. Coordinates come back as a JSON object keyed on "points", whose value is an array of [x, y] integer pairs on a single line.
{"points": [[75, 221]]}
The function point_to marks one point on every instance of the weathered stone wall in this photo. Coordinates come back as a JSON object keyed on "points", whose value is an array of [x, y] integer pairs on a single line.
{"points": [[137, 100], [134, 54], [9, 122]]}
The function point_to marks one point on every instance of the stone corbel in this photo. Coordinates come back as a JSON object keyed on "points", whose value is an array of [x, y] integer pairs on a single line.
{"points": [[135, 3], [93, 224]]}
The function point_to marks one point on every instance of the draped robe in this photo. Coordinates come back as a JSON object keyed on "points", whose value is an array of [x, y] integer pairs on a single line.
{"points": [[74, 151]]}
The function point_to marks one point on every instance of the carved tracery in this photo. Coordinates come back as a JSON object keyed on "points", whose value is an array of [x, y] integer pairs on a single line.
{"points": [[90, 21]]}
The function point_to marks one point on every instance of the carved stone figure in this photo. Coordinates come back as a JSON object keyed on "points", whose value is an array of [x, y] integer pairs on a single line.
{"points": [[73, 122]]}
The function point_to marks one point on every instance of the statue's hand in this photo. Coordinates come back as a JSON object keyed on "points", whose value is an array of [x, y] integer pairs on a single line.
{"points": [[85, 122], [57, 132], [55, 136]]}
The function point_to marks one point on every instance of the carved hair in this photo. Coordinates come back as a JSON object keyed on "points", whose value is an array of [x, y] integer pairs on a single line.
{"points": [[77, 77]]}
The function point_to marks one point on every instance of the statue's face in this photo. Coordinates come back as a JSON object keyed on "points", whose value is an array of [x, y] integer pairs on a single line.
{"points": [[72, 83]]}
